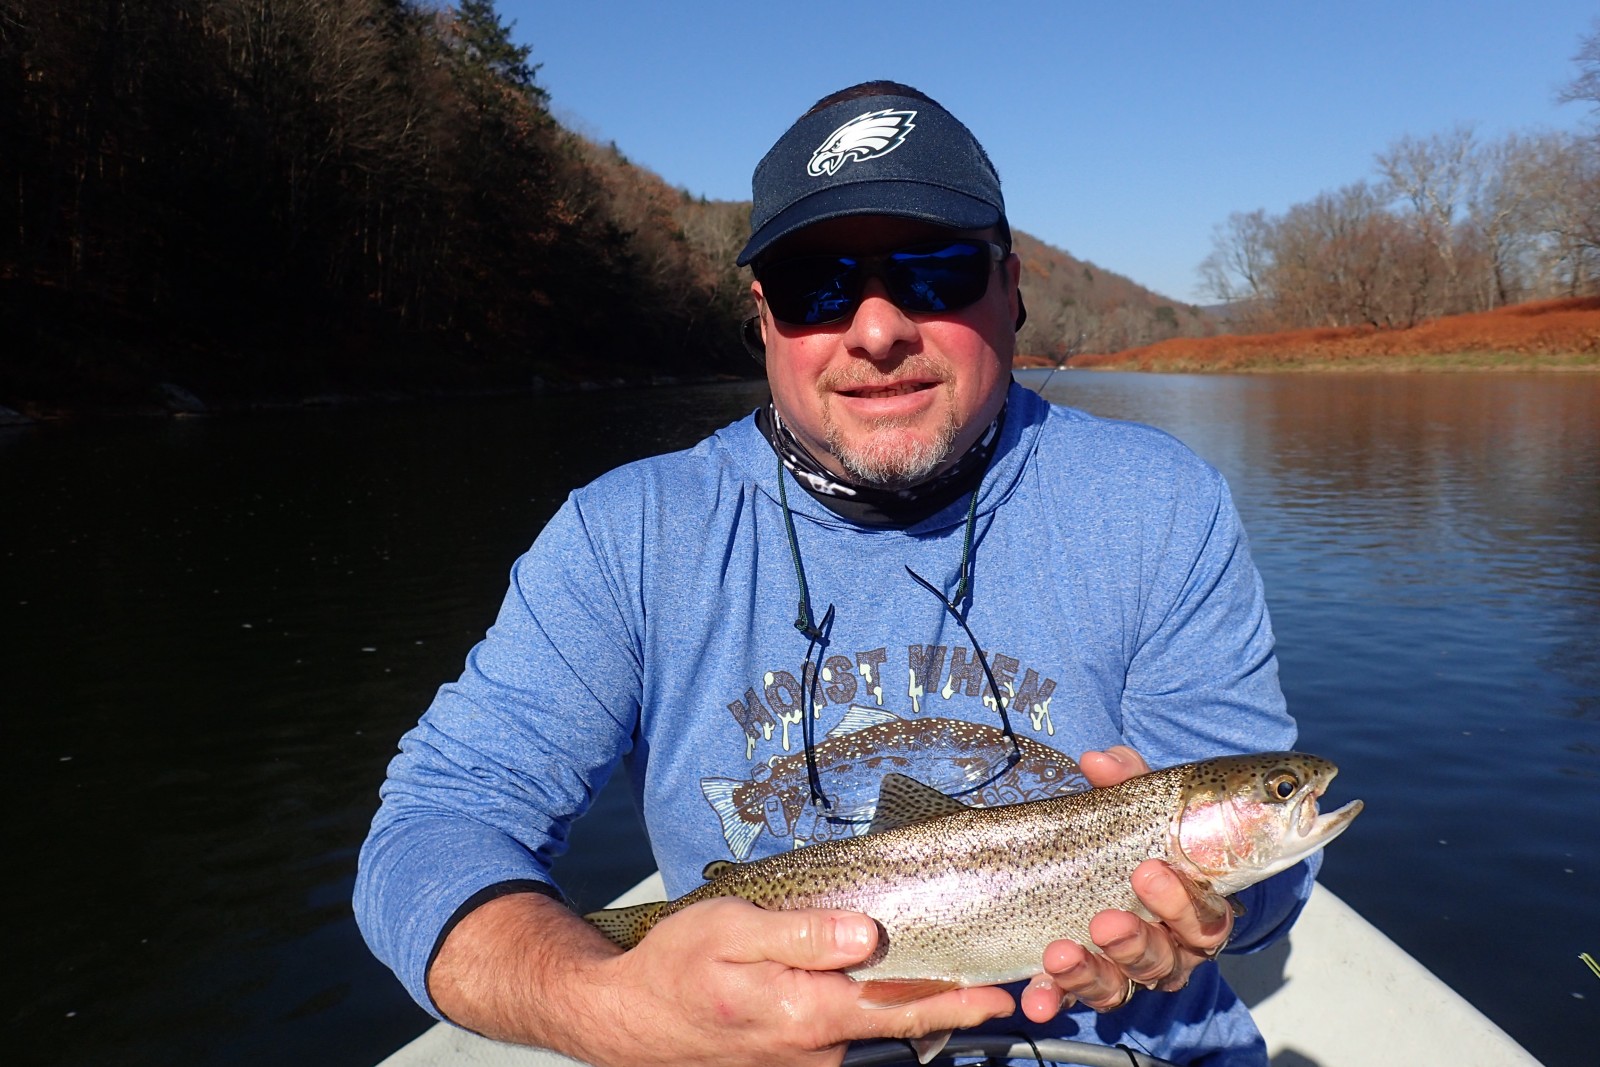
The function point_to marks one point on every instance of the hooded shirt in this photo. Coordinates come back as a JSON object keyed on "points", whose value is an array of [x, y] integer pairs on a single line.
{"points": [[652, 627]]}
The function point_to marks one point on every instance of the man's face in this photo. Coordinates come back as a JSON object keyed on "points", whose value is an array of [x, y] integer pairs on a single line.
{"points": [[888, 397]]}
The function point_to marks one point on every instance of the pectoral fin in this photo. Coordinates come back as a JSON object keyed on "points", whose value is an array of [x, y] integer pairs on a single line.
{"points": [[1209, 905], [928, 1047], [893, 992]]}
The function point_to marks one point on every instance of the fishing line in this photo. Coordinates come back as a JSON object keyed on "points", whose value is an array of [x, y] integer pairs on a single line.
{"points": [[1072, 350]]}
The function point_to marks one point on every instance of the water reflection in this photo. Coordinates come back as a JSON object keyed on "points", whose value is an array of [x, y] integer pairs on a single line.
{"points": [[1431, 550], [218, 629]]}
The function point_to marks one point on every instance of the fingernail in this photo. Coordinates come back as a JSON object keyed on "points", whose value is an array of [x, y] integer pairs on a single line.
{"points": [[854, 932], [1163, 881]]}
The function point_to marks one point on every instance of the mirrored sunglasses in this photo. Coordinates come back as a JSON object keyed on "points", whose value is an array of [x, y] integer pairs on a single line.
{"points": [[923, 279]]}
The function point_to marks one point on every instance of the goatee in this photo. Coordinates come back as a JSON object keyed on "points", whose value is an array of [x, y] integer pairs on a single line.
{"points": [[892, 457]]}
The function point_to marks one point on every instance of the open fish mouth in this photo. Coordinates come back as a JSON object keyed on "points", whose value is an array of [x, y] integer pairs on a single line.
{"points": [[1315, 829]]}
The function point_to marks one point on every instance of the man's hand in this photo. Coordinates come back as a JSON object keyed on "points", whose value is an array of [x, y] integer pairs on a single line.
{"points": [[1159, 955], [720, 982]]}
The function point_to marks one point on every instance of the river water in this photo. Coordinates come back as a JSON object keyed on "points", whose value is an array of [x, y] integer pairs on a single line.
{"points": [[217, 629]]}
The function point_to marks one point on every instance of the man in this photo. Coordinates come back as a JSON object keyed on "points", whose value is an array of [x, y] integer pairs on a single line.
{"points": [[904, 562]]}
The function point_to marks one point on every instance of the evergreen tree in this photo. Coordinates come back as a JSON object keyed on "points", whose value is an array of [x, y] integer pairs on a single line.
{"points": [[486, 45]]}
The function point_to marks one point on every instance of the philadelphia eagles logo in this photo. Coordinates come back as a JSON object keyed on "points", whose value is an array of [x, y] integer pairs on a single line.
{"points": [[877, 133]]}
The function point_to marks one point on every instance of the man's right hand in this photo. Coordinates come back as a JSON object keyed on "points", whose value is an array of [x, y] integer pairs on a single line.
{"points": [[720, 982]]}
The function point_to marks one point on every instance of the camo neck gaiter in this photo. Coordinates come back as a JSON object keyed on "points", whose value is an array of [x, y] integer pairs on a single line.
{"points": [[872, 505]]}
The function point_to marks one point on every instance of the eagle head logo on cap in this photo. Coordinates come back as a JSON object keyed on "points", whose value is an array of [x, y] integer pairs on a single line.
{"points": [[877, 133]]}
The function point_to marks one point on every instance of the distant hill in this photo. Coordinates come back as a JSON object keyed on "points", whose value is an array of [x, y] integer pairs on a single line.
{"points": [[1074, 306]]}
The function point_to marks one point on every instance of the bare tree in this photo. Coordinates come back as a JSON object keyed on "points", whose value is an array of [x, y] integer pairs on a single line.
{"points": [[1562, 175], [1435, 177], [1236, 270], [1585, 87]]}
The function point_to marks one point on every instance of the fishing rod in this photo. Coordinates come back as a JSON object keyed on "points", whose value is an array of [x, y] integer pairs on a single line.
{"points": [[1071, 351]]}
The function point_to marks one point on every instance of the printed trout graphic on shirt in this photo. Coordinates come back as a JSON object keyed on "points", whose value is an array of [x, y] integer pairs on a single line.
{"points": [[869, 741]]}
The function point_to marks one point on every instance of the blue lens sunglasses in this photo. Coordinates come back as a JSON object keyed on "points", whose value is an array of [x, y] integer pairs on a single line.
{"points": [[923, 279]]}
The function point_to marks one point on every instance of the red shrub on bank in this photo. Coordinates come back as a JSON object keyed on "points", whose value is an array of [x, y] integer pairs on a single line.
{"points": [[1566, 328]]}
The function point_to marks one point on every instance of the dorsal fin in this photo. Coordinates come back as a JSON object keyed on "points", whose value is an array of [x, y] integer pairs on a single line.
{"points": [[717, 868], [860, 718], [903, 801]]}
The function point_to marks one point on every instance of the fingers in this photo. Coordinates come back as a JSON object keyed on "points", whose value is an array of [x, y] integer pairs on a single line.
{"points": [[1113, 766], [1042, 999], [822, 940], [1143, 952], [809, 939], [957, 1009], [1079, 976], [1191, 926], [1200, 921]]}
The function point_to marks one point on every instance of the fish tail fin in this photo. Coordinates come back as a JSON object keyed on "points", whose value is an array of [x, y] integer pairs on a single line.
{"points": [[722, 795], [626, 927]]}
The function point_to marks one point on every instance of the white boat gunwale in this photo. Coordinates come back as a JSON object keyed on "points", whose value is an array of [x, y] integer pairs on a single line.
{"points": [[1335, 993]]}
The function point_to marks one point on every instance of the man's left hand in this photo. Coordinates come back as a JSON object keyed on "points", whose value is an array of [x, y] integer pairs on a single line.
{"points": [[1153, 955]]}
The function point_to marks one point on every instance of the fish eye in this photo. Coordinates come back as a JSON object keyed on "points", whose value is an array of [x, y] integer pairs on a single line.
{"points": [[1283, 785]]}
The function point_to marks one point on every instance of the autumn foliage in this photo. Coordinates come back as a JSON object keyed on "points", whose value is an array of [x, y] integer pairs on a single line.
{"points": [[1544, 334]]}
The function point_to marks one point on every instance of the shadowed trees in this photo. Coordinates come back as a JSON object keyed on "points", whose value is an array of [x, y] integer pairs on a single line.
{"points": [[257, 196]]}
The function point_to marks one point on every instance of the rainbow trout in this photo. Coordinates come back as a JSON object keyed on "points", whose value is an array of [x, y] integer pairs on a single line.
{"points": [[971, 896]]}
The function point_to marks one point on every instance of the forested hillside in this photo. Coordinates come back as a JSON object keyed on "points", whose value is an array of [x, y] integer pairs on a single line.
{"points": [[253, 198], [258, 200], [1076, 307]]}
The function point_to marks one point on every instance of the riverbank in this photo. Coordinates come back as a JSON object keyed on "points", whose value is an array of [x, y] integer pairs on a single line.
{"points": [[1553, 335]]}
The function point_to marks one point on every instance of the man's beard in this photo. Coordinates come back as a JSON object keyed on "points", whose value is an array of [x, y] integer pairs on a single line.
{"points": [[889, 457]]}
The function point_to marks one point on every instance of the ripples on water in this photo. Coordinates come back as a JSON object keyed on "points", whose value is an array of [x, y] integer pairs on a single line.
{"points": [[1430, 546], [218, 629]]}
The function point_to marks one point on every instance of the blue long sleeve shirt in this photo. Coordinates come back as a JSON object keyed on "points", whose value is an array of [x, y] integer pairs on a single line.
{"points": [[651, 627]]}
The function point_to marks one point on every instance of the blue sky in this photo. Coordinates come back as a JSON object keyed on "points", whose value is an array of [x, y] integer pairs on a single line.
{"points": [[1124, 133]]}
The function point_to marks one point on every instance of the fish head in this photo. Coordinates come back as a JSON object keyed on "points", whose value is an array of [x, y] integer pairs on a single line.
{"points": [[1245, 818]]}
